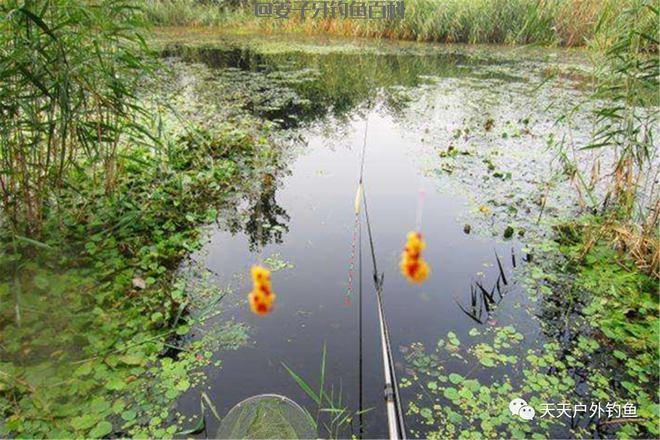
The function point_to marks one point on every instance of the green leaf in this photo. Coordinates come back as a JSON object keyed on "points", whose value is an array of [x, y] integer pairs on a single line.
{"points": [[474, 332], [100, 405], [454, 417], [115, 383], [303, 385], [455, 378], [426, 413], [83, 423], [182, 330], [118, 406], [83, 370], [132, 359], [183, 385], [619, 354], [487, 362], [101, 430], [129, 415], [453, 339], [466, 394], [450, 393]]}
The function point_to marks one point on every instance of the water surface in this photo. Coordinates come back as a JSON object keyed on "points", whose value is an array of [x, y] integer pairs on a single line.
{"points": [[465, 133]]}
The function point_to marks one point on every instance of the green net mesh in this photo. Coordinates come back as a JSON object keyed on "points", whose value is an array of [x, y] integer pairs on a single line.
{"points": [[267, 416]]}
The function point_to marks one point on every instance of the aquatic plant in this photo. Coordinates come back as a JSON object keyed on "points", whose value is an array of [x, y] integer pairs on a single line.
{"points": [[94, 331], [338, 418]]}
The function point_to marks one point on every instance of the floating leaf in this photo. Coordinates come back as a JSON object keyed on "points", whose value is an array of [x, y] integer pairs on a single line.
{"points": [[101, 430], [132, 359], [450, 393], [129, 415], [487, 362], [455, 378], [82, 423]]}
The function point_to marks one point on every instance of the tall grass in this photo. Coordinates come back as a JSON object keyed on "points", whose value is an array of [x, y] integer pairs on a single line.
{"points": [[68, 74], [548, 22], [626, 118], [629, 79], [186, 12]]}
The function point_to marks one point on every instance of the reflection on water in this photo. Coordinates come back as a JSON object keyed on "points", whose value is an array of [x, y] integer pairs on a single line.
{"points": [[266, 220], [303, 213], [296, 87], [484, 301]]}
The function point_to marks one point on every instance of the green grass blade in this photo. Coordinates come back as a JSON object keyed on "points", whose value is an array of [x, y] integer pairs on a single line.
{"points": [[303, 385]]}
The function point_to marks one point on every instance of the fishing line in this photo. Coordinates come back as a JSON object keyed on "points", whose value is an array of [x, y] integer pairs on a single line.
{"points": [[351, 261], [364, 147], [358, 195], [421, 198], [360, 382]]}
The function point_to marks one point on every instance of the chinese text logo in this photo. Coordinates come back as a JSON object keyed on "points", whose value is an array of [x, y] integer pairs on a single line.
{"points": [[596, 410], [344, 9]]}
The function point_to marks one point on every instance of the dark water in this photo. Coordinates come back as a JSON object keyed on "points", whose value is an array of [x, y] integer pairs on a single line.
{"points": [[312, 201]]}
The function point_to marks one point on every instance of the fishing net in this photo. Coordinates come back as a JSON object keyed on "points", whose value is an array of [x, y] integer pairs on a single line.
{"points": [[267, 416]]}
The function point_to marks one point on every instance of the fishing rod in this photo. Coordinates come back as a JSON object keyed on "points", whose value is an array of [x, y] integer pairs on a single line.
{"points": [[396, 422]]}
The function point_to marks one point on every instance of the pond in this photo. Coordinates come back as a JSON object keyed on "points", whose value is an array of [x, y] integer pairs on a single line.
{"points": [[456, 141]]}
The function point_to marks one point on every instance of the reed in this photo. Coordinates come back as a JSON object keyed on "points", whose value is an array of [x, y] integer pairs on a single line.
{"points": [[625, 153], [548, 22], [68, 74], [186, 12]]}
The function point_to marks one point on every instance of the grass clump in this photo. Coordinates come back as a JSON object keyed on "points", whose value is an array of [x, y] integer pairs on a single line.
{"points": [[185, 12], [619, 182], [552, 22], [68, 76], [89, 346]]}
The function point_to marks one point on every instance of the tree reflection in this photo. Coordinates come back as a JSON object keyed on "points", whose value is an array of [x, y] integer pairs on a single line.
{"points": [[266, 221]]}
